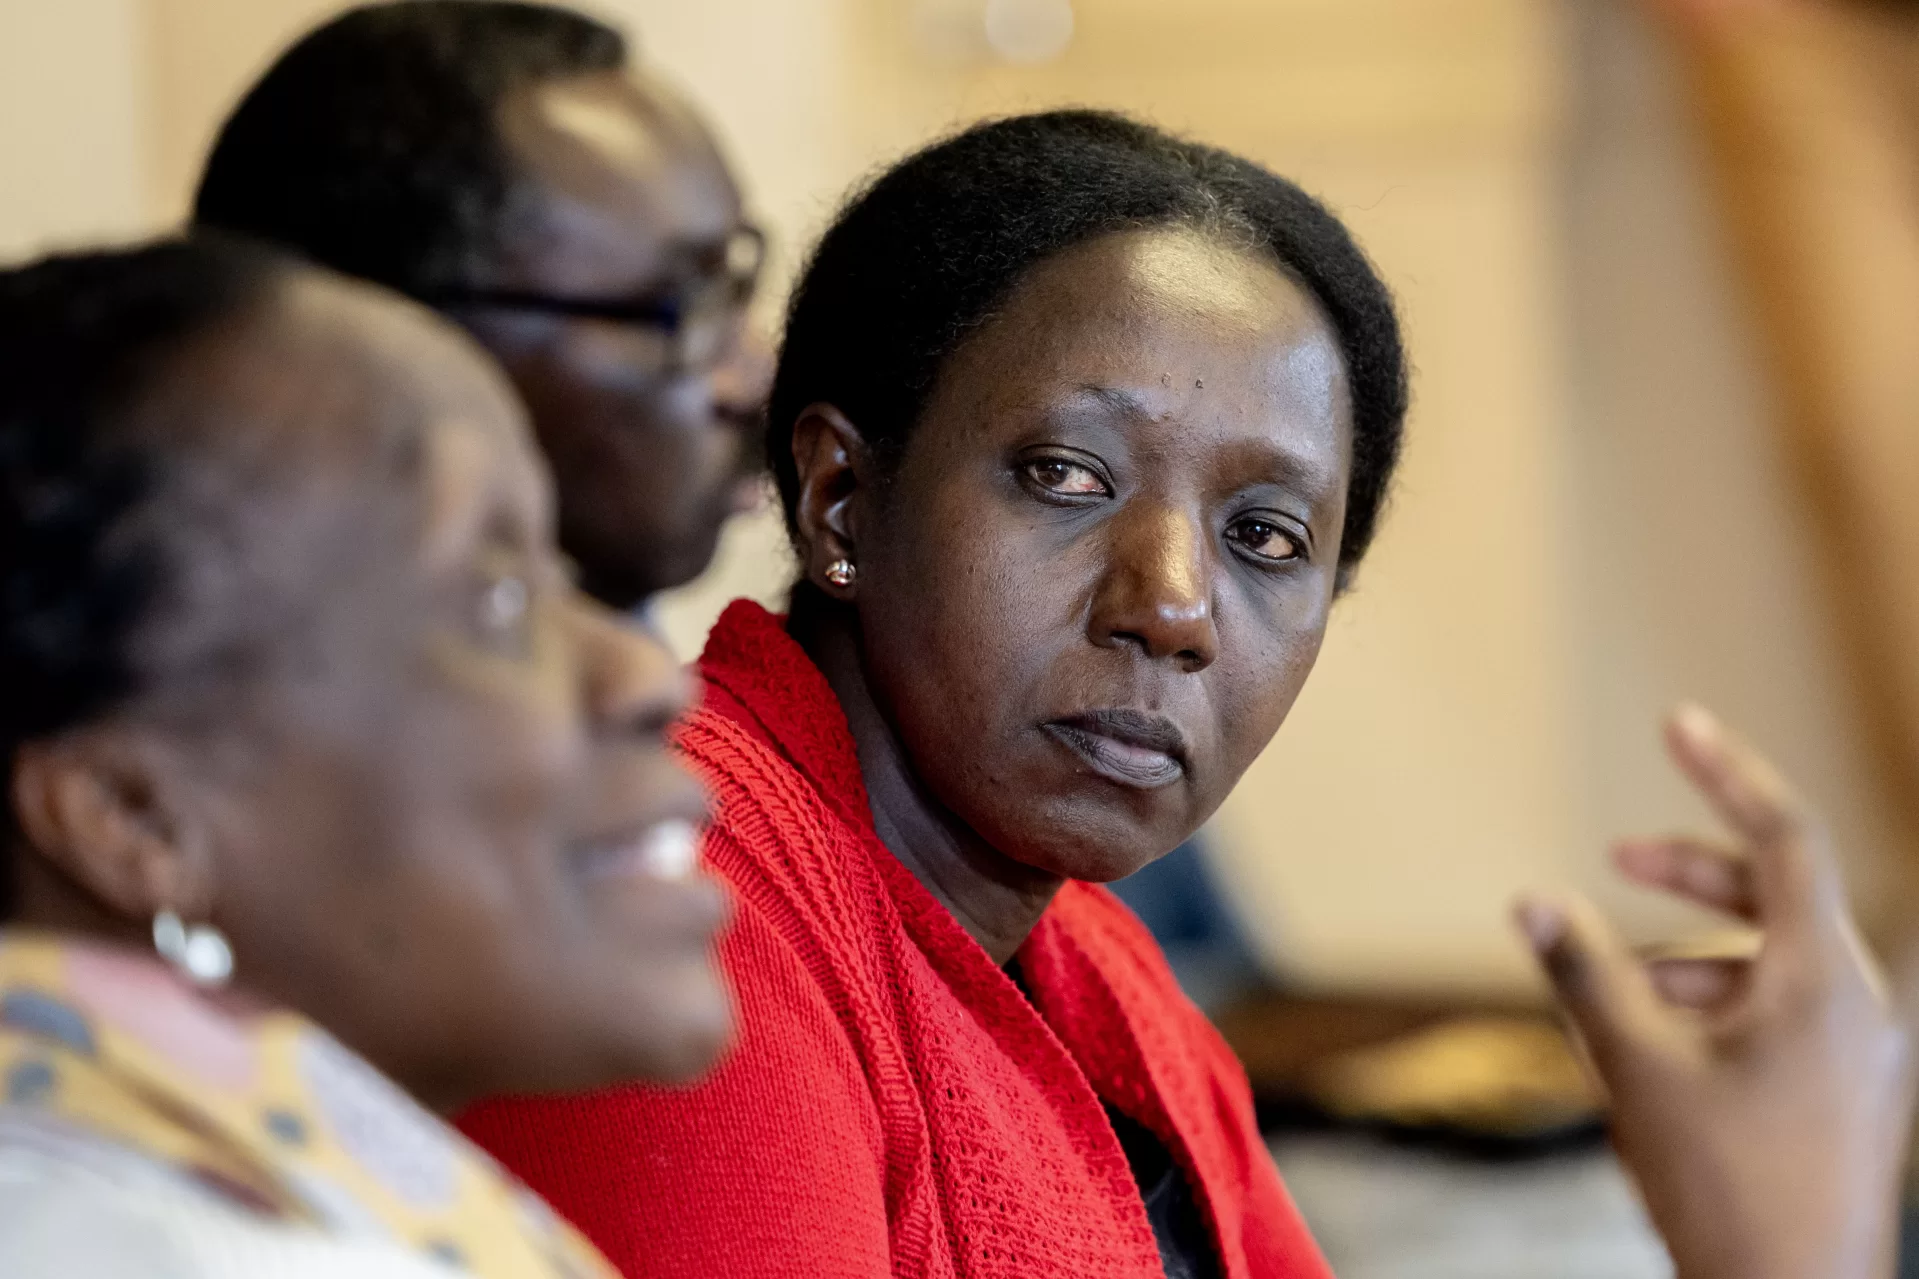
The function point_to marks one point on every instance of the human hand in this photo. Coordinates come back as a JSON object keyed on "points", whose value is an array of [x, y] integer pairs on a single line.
{"points": [[1762, 1105]]}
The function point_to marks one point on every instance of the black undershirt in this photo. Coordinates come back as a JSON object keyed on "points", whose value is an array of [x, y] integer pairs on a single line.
{"points": [[1179, 1227], [1172, 1209]]}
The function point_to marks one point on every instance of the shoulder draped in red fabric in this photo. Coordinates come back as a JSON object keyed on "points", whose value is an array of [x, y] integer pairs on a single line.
{"points": [[895, 1106]]}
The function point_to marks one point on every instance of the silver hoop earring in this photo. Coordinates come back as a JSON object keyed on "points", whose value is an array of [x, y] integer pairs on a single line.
{"points": [[201, 952], [842, 572]]}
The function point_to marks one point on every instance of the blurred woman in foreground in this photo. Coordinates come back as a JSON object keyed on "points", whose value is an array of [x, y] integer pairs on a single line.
{"points": [[1080, 430], [297, 692]]}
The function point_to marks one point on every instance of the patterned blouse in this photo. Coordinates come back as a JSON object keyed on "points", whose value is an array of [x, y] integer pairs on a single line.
{"points": [[148, 1129]]}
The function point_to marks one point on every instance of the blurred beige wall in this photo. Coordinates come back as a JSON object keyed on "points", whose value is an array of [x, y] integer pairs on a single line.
{"points": [[1592, 520], [1699, 562], [75, 80]]}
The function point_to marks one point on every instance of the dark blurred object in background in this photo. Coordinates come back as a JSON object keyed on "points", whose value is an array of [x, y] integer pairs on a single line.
{"points": [[1485, 1082], [1480, 1080], [1175, 897]]}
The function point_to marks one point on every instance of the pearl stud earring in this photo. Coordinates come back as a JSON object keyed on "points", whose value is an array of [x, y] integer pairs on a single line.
{"points": [[201, 952]]}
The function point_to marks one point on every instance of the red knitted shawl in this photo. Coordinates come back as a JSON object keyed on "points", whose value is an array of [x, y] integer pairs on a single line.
{"points": [[895, 1106]]}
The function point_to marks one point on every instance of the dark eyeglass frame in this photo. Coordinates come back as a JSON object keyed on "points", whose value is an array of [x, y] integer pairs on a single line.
{"points": [[670, 313]]}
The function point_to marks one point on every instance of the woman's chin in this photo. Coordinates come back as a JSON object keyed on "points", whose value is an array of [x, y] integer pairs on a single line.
{"points": [[1095, 854], [1106, 869], [671, 1029], [1087, 831], [693, 1026]]}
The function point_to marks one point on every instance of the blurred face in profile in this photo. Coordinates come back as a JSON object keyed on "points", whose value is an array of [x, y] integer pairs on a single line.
{"points": [[419, 781], [619, 312]]}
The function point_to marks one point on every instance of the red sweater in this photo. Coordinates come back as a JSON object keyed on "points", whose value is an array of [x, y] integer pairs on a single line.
{"points": [[895, 1106]]}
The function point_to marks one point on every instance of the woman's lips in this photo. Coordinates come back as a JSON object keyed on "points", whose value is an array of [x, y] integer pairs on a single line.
{"points": [[650, 876], [667, 851], [1132, 748]]}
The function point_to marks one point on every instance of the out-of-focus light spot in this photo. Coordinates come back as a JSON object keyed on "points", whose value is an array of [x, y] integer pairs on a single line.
{"points": [[1029, 31]]}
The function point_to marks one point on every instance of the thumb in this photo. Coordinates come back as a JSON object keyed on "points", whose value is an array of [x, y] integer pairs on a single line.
{"points": [[1599, 982]]}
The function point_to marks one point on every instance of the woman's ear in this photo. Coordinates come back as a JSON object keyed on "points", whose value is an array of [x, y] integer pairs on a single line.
{"points": [[102, 808], [834, 467]]}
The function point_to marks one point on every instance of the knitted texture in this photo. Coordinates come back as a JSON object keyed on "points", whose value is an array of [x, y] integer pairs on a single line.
{"points": [[895, 1106]]}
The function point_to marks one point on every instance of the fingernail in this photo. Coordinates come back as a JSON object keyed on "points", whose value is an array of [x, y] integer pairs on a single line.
{"points": [[1542, 922], [1697, 723]]}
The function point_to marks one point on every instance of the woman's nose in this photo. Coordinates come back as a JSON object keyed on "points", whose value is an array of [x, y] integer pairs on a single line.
{"points": [[633, 683], [1156, 591]]}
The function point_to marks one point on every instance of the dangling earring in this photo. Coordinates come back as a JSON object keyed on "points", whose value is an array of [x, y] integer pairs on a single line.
{"points": [[201, 952], [841, 572]]}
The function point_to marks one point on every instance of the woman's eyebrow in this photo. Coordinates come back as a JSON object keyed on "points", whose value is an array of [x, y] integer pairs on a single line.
{"points": [[1090, 407], [1102, 408], [1272, 463], [1117, 399], [1265, 461]]}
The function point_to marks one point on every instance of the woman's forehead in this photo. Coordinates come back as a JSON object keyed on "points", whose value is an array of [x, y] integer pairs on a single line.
{"points": [[1170, 271], [1145, 325], [333, 394], [1139, 310], [323, 364]]}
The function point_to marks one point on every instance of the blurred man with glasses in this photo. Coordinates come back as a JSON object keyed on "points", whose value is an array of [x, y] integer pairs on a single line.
{"points": [[506, 164]]}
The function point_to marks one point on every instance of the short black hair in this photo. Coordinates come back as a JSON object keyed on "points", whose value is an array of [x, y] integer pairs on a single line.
{"points": [[372, 146], [921, 258], [83, 339]]}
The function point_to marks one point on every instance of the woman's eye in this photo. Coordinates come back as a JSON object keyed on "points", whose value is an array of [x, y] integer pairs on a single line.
{"points": [[504, 603], [502, 613], [1266, 539], [1069, 479]]}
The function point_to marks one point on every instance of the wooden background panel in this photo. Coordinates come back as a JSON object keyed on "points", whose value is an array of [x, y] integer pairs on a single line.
{"points": [[1310, 71]]}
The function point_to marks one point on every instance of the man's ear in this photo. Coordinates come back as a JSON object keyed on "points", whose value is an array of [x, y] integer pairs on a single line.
{"points": [[103, 807], [834, 467]]}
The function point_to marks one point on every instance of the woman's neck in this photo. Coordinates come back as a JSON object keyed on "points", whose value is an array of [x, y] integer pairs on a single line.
{"points": [[994, 898], [47, 902]]}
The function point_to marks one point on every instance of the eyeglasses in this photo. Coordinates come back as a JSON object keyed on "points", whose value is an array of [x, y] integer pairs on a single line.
{"points": [[689, 328]]}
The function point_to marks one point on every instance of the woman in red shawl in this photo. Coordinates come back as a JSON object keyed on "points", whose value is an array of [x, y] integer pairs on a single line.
{"points": [[1080, 430]]}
